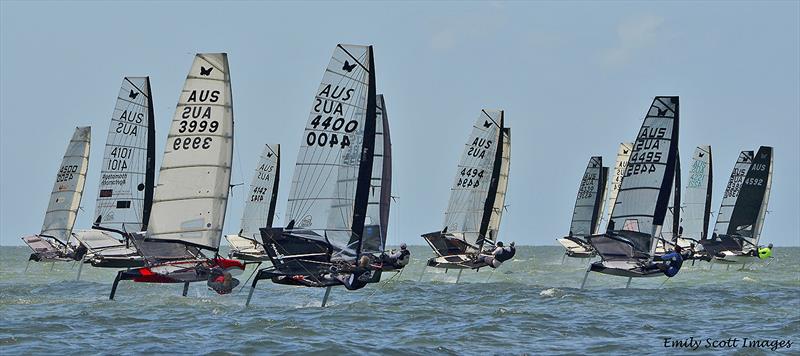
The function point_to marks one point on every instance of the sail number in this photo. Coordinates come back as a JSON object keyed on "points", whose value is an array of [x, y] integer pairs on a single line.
{"points": [[470, 178], [192, 143], [323, 139], [66, 173], [258, 194]]}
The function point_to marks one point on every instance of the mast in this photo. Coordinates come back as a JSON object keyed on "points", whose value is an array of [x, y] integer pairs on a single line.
{"points": [[367, 153], [601, 199], [676, 202], [150, 172], [274, 196], [709, 188], [488, 207]]}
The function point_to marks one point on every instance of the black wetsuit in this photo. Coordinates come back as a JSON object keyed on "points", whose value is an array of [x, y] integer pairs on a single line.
{"points": [[356, 280], [507, 254]]}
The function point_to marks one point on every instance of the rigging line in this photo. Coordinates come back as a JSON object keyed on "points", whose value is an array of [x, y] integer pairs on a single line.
{"points": [[248, 278], [382, 285], [307, 205]]}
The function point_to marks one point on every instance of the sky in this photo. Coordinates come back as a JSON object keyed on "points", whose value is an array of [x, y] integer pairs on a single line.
{"points": [[575, 79]]}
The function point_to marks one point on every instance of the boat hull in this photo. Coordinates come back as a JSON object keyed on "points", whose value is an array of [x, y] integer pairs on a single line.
{"points": [[624, 269], [463, 261], [574, 250], [181, 271]]}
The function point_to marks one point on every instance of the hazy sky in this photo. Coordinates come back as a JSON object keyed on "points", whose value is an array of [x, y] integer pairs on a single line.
{"points": [[575, 79]]}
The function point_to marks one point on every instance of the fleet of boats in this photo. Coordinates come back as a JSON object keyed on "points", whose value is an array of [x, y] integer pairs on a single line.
{"points": [[631, 215]]}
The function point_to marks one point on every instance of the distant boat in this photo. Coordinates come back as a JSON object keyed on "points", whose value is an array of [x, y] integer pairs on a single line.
{"points": [[629, 243], [623, 154], [127, 179], [191, 197], [52, 244], [588, 212], [743, 210], [477, 197], [259, 207], [335, 210], [696, 205]]}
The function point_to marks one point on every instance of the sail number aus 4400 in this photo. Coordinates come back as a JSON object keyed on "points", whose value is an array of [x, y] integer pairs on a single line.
{"points": [[332, 139]]}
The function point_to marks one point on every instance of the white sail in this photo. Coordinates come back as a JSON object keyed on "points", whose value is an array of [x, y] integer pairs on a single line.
{"points": [[470, 190], [697, 196], [623, 154], [325, 201], [122, 194], [193, 183], [586, 214], [259, 203], [647, 184], [732, 191], [65, 197], [502, 185]]}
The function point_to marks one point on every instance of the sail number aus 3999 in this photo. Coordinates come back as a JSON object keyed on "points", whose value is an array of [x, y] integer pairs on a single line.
{"points": [[192, 143]]}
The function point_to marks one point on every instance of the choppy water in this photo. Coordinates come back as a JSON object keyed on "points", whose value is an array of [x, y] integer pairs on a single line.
{"points": [[530, 305]]}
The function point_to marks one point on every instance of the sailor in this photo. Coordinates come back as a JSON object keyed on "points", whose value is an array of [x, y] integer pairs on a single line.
{"points": [[491, 259], [507, 253], [360, 276], [399, 259], [765, 252], [221, 281], [671, 264]]}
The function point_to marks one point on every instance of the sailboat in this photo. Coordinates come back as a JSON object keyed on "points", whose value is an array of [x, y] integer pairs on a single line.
{"points": [[259, 207], [52, 244], [191, 197], [477, 197], [671, 229], [127, 179], [629, 243], [623, 154], [333, 220], [588, 212], [743, 210], [696, 206]]}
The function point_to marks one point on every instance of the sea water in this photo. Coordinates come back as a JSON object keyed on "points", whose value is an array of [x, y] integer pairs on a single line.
{"points": [[531, 304]]}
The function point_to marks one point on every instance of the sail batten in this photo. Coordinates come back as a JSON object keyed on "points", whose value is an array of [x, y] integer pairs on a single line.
{"points": [[193, 184]]}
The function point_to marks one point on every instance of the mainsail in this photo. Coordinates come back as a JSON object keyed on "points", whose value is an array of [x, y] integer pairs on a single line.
{"points": [[474, 191], [259, 206], [377, 223], [647, 184], [67, 191], [587, 214], [502, 185], [623, 154], [732, 190], [127, 176], [193, 183], [332, 177], [747, 217], [697, 196]]}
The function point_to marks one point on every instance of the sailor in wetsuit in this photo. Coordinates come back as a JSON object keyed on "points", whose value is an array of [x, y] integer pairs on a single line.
{"points": [[671, 264], [399, 259], [221, 281], [499, 255], [358, 278]]}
